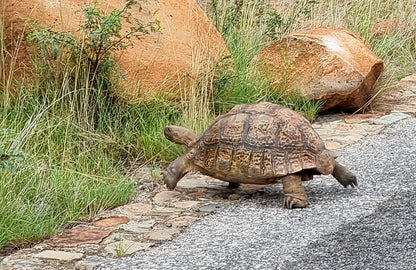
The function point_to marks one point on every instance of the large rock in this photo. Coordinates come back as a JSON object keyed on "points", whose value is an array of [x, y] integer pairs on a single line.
{"points": [[335, 66], [161, 59]]}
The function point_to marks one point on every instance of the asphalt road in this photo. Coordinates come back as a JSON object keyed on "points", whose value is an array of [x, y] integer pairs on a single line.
{"points": [[373, 227]]}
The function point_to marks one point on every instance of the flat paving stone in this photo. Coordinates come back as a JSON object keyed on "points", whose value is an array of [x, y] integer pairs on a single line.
{"points": [[161, 235], [333, 145], [147, 223], [165, 211], [362, 118], [197, 194], [77, 237], [110, 221], [127, 247], [182, 221], [391, 118], [186, 204], [137, 208], [165, 196], [138, 227], [59, 255]]}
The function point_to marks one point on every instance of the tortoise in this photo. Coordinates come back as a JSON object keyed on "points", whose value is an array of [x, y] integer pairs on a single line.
{"points": [[263, 143]]}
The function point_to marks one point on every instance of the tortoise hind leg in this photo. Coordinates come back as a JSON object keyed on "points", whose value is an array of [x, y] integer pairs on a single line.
{"points": [[344, 176], [175, 171], [295, 195]]}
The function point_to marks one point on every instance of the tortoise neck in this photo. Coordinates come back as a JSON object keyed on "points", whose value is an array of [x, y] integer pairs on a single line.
{"points": [[185, 139], [180, 135]]}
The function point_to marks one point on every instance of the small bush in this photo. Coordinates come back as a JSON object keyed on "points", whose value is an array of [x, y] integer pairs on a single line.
{"points": [[88, 62]]}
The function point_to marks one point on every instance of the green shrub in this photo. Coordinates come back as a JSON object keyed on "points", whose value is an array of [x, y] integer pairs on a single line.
{"points": [[88, 63]]}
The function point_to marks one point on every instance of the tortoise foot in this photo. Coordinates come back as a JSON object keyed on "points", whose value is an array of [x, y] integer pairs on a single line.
{"points": [[295, 202], [344, 176], [349, 181], [295, 195]]}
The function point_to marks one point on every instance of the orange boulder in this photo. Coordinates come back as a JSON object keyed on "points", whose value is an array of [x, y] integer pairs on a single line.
{"points": [[158, 60], [334, 66]]}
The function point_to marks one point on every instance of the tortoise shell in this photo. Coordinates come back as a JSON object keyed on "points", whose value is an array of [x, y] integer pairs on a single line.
{"points": [[262, 142]]}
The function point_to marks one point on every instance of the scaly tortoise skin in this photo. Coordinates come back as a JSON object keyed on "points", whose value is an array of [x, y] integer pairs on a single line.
{"points": [[258, 144]]}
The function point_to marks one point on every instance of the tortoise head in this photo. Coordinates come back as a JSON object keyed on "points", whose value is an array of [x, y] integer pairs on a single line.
{"points": [[179, 135], [175, 171]]}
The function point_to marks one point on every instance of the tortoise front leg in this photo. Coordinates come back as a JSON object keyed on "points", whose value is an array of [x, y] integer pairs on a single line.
{"points": [[344, 176], [295, 195]]}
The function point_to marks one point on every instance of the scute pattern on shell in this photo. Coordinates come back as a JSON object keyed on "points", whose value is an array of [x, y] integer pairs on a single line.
{"points": [[260, 141]]}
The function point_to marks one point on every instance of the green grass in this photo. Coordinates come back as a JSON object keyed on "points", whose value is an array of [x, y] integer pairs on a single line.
{"points": [[64, 156], [51, 175]]}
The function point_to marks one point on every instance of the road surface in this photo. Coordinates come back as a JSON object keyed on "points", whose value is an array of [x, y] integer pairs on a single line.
{"points": [[373, 227]]}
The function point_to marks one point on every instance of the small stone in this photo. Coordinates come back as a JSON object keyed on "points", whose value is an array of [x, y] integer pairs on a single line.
{"points": [[197, 194], [126, 247], [110, 221], [169, 225], [59, 255], [165, 196], [390, 118], [161, 235], [76, 237], [165, 211], [234, 197], [213, 207], [138, 208], [182, 221], [186, 204]]}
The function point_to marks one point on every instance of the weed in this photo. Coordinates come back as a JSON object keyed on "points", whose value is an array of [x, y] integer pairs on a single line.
{"points": [[121, 249]]}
